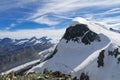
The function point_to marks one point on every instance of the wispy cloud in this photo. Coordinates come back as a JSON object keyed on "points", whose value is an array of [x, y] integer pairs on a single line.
{"points": [[111, 20], [112, 11], [11, 26], [60, 8], [63, 17], [106, 18], [45, 20], [116, 26], [108, 12], [9, 4]]}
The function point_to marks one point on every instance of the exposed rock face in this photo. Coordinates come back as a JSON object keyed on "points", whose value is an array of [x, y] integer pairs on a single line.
{"points": [[100, 60], [80, 33]]}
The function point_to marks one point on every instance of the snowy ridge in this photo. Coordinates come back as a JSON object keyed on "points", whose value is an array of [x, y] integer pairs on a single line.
{"points": [[21, 42], [20, 67], [110, 70], [78, 20], [97, 29], [79, 51], [89, 59]]}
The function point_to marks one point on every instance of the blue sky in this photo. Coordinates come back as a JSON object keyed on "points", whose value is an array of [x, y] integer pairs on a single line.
{"points": [[27, 18]]}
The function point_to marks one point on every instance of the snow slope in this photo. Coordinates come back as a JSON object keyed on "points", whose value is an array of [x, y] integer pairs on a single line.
{"points": [[110, 70], [79, 50], [21, 66]]}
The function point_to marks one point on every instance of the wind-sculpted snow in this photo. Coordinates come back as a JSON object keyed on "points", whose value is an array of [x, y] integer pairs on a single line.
{"points": [[70, 55], [86, 49], [110, 70]]}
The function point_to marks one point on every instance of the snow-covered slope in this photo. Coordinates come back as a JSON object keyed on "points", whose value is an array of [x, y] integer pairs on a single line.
{"points": [[109, 70], [86, 49]]}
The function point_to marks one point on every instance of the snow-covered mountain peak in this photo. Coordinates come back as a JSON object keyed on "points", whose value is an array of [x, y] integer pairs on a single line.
{"points": [[78, 20], [81, 31], [77, 43], [33, 39], [97, 27], [86, 49], [91, 25]]}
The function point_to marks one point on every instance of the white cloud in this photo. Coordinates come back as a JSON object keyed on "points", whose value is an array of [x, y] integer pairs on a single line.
{"points": [[108, 12], [114, 10], [63, 17], [45, 20], [9, 4], [11, 26], [111, 20], [61, 7], [52, 33], [117, 26], [104, 17]]}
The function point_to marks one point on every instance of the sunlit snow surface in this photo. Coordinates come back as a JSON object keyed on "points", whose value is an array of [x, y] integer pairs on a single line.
{"points": [[74, 58]]}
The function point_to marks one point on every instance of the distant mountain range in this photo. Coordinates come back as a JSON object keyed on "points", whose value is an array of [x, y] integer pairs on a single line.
{"points": [[14, 52]]}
